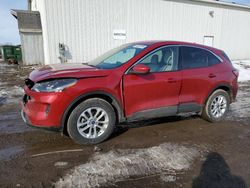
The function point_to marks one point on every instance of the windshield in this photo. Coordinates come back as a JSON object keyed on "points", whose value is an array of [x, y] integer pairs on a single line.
{"points": [[118, 56]]}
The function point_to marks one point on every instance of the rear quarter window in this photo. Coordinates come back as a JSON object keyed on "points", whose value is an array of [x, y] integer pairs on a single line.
{"points": [[212, 59], [192, 57], [225, 56]]}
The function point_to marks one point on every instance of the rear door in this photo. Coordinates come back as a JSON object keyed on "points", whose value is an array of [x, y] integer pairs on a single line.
{"points": [[199, 75], [158, 89]]}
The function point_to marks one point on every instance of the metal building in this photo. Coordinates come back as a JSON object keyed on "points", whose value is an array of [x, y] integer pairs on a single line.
{"points": [[80, 30], [30, 29]]}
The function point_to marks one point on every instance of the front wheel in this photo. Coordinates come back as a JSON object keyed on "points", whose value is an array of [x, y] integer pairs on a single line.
{"points": [[91, 122], [216, 106]]}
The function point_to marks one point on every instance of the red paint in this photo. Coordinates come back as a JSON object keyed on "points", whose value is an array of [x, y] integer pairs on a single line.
{"points": [[140, 69], [134, 92], [154, 90]]}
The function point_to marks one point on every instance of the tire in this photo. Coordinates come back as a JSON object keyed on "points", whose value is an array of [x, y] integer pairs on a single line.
{"points": [[84, 128], [210, 113]]}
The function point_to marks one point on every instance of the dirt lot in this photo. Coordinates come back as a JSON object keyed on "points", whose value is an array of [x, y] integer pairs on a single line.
{"points": [[170, 152]]}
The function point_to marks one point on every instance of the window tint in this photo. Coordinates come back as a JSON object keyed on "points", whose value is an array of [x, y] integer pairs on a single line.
{"points": [[193, 57], [225, 56], [164, 59], [212, 59]]}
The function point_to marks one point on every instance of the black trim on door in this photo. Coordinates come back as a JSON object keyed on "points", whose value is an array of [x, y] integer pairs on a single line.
{"points": [[165, 111], [153, 113], [189, 107]]}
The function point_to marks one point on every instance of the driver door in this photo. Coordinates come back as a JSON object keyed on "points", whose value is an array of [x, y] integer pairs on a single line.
{"points": [[157, 92]]}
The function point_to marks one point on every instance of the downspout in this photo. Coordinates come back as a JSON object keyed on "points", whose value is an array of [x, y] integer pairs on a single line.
{"points": [[29, 5]]}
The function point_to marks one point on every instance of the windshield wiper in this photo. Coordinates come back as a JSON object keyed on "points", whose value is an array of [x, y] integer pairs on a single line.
{"points": [[89, 65]]}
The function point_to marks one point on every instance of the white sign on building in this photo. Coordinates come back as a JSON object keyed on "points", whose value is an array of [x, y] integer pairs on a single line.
{"points": [[119, 34]]}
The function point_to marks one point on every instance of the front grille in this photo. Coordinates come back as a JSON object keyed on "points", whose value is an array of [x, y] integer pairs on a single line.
{"points": [[29, 83]]}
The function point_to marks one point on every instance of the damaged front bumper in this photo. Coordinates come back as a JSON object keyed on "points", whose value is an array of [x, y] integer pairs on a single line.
{"points": [[27, 122]]}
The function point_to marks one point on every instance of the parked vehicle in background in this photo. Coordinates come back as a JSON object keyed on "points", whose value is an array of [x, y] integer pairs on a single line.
{"points": [[135, 81]]}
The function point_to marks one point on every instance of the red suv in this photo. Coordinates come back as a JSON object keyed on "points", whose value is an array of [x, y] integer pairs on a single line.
{"points": [[132, 82]]}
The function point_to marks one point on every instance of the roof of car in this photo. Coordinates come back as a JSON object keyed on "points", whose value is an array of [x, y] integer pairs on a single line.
{"points": [[165, 42]]}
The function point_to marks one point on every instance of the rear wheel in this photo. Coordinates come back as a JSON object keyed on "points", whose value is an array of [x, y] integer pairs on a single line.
{"points": [[91, 122], [216, 106]]}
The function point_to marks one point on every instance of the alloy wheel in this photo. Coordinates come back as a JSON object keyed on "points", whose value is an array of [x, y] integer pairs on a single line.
{"points": [[218, 106], [92, 122]]}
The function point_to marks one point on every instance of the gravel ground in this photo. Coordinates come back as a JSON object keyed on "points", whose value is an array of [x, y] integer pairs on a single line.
{"points": [[167, 152]]}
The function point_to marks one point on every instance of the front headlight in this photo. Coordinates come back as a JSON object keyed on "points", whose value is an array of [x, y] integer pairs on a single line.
{"points": [[57, 85]]}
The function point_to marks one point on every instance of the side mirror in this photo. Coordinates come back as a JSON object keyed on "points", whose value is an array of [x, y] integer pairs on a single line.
{"points": [[140, 69]]}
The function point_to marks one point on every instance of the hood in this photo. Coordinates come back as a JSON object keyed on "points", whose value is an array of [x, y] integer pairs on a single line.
{"points": [[68, 70]]}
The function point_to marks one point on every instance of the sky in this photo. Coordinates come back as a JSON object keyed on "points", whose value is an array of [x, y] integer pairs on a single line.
{"points": [[246, 2], [8, 24]]}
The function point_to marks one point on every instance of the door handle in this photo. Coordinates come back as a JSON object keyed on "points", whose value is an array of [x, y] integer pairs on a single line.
{"points": [[171, 80], [211, 75]]}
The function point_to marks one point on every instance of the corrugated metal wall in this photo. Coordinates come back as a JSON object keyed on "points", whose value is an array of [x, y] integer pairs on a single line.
{"points": [[1, 54], [86, 27], [32, 48]]}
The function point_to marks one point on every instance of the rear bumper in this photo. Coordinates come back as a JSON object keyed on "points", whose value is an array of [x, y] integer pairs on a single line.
{"points": [[234, 90]]}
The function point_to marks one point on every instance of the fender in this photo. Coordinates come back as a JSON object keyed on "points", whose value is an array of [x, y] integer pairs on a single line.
{"points": [[223, 86], [101, 94]]}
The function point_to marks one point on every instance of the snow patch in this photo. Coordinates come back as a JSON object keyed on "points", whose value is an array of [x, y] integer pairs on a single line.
{"points": [[168, 178], [244, 67], [61, 164], [115, 166], [6, 68], [10, 94], [240, 109]]}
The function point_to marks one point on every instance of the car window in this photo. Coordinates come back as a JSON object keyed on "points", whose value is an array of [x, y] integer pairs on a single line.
{"points": [[121, 57], [191, 57], [147, 60], [162, 60], [118, 56], [212, 59], [226, 56]]}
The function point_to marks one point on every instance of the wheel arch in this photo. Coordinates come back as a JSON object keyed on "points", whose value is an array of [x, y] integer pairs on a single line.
{"points": [[96, 94], [225, 87]]}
